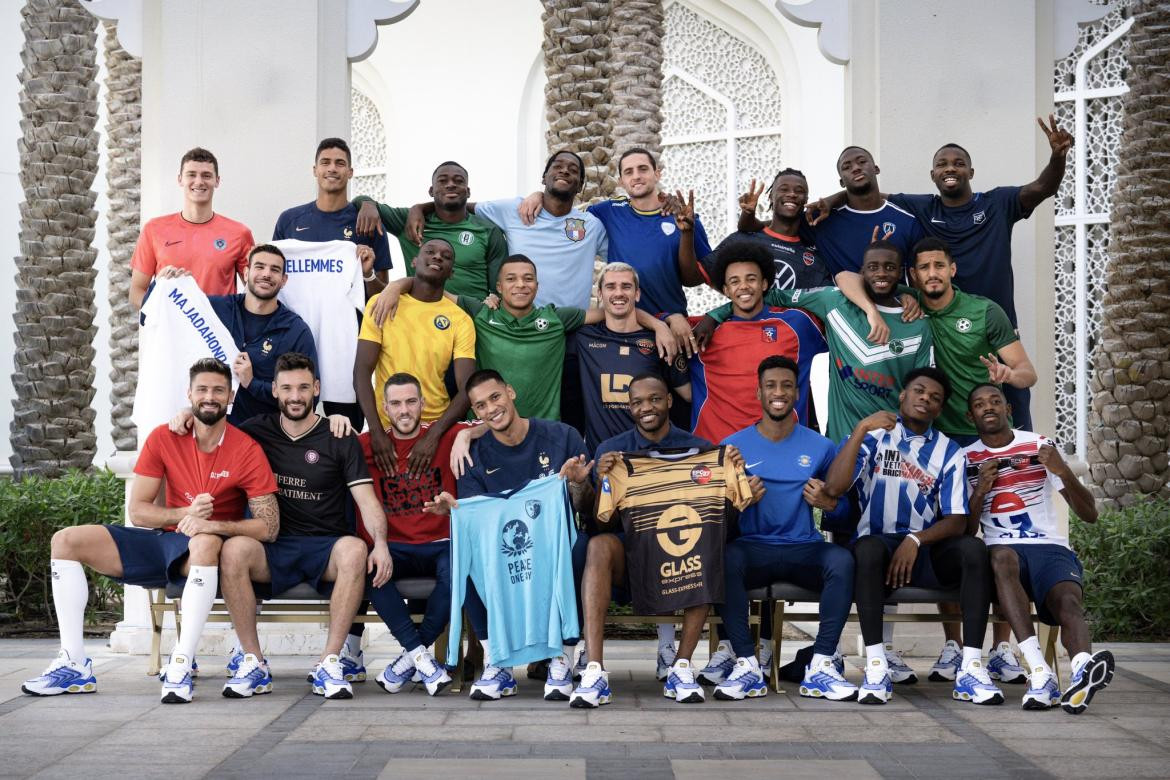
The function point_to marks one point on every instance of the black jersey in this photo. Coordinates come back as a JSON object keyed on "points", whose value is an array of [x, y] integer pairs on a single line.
{"points": [[798, 264]]}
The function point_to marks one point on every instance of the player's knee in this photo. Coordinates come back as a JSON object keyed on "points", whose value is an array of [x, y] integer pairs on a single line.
{"points": [[868, 553], [838, 564], [350, 553], [601, 549], [237, 551], [64, 545], [1004, 561], [1066, 602], [973, 553], [204, 549]]}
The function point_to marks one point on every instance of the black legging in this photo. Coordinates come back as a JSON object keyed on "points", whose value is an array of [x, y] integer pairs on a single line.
{"points": [[958, 559]]}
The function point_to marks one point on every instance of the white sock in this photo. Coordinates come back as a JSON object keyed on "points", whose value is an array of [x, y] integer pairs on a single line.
{"points": [[1079, 660], [353, 646], [818, 660], [70, 594], [198, 596], [888, 627], [875, 651], [1033, 656], [666, 634], [972, 654], [751, 660]]}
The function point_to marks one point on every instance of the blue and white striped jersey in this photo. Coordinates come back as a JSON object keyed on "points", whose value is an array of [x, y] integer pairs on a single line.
{"points": [[907, 481]]}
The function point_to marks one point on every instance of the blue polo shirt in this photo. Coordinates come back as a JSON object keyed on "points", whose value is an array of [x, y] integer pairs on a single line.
{"points": [[842, 238], [309, 223], [633, 441], [499, 467]]}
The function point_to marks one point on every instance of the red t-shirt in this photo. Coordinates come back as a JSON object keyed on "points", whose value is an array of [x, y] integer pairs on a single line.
{"points": [[233, 472], [403, 496], [213, 251]]}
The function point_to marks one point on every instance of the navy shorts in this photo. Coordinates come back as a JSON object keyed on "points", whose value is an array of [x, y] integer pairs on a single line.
{"points": [[150, 557], [296, 559], [1042, 567]]}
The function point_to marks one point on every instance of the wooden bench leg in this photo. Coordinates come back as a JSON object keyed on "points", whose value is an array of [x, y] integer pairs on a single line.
{"points": [[1047, 635], [157, 616], [777, 641]]}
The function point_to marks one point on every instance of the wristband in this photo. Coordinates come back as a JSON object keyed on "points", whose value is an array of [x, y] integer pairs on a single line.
{"points": [[917, 541], [371, 277]]}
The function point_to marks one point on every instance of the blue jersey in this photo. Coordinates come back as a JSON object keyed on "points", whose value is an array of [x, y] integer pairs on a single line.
{"points": [[648, 240], [309, 223], [516, 550], [979, 235], [846, 232], [499, 467], [563, 249], [782, 516], [608, 361], [906, 482]]}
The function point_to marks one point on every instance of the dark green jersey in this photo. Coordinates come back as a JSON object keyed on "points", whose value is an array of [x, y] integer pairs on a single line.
{"points": [[529, 351]]}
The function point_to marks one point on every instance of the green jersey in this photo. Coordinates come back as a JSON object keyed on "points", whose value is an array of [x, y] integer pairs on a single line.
{"points": [[863, 378], [529, 352], [479, 246], [969, 326]]}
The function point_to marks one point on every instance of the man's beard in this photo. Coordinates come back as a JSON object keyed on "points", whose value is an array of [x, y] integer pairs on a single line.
{"points": [[778, 417], [934, 296], [209, 417], [307, 410]]}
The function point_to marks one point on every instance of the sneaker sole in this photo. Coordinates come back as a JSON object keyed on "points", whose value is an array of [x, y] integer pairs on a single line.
{"points": [[356, 677], [439, 687], [174, 698], [479, 695], [232, 693], [1038, 704], [941, 677], [911, 680], [555, 694], [581, 703], [387, 688], [702, 680], [85, 688], [873, 698], [962, 696], [753, 693], [691, 698], [1094, 678], [338, 694], [817, 693]]}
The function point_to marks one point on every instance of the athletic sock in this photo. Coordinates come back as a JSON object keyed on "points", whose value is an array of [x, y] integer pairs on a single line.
{"points": [[198, 596], [972, 654], [666, 634], [70, 594], [875, 651], [887, 626], [1079, 660], [1030, 649], [353, 646]]}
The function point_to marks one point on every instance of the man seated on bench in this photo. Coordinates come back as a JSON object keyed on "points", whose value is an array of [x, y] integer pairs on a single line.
{"points": [[779, 541], [209, 475], [1013, 475], [313, 469], [913, 500], [419, 541]]}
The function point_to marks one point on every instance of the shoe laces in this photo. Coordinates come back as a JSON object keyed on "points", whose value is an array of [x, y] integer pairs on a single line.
{"points": [[978, 671], [742, 668], [593, 672], [402, 664], [331, 665], [1004, 651], [1039, 678], [723, 655], [177, 669], [425, 663], [558, 668], [249, 664], [828, 668], [876, 672], [491, 672], [61, 661], [683, 672]]}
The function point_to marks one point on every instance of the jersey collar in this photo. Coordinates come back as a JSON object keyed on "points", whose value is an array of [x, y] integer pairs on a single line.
{"points": [[791, 239]]}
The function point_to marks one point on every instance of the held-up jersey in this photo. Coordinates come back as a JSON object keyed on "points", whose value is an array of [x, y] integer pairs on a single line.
{"points": [[324, 281], [516, 547], [1018, 509], [673, 508], [309, 223]]}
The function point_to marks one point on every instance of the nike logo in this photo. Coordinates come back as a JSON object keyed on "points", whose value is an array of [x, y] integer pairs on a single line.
{"points": [[492, 471], [750, 465], [492, 322], [169, 243], [938, 221], [300, 229]]}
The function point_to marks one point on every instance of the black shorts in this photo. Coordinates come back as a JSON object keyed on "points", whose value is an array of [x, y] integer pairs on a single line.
{"points": [[296, 559], [150, 557]]}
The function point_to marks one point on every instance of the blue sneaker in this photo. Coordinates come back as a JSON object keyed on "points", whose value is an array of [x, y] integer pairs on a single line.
{"points": [[329, 681], [746, 681], [593, 690], [899, 671], [974, 685], [1042, 693], [681, 685], [827, 683], [721, 663], [64, 675], [176, 681], [235, 658], [1003, 666], [251, 678], [559, 684], [946, 668], [353, 667], [493, 683], [396, 674], [430, 672], [876, 686], [1093, 675]]}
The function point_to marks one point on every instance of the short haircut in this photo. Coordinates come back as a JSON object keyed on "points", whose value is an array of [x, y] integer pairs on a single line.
{"points": [[199, 154], [445, 163], [295, 361], [980, 386], [952, 146], [334, 143], [636, 150], [429, 239], [647, 376], [777, 361], [517, 258], [743, 251], [401, 378], [556, 154], [268, 249], [882, 245], [482, 376], [209, 365], [930, 372], [932, 244], [847, 148], [618, 266], [787, 172]]}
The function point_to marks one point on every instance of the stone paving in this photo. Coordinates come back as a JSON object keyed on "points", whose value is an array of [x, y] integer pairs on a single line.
{"points": [[124, 732]]}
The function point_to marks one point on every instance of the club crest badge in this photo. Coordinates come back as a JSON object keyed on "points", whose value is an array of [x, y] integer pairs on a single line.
{"points": [[575, 229], [532, 508]]}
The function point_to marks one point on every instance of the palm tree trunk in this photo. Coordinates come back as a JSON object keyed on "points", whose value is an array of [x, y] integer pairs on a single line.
{"points": [[52, 427], [636, 55], [123, 139], [1130, 419]]}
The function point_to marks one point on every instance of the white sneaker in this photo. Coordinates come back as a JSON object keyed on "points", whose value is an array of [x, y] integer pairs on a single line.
{"points": [[974, 685], [493, 683], [876, 686], [746, 681], [946, 668], [667, 654], [434, 675], [721, 663], [64, 675], [329, 679], [176, 681], [681, 685], [1003, 666], [559, 684], [593, 690], [1042, 693], [900, 671], [827, 683], [251, 678], [397, 674]]}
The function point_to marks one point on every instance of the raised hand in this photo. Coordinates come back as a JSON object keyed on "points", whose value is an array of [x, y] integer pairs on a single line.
{"points": [[1059, 139], [750, 199], [684, 218]]}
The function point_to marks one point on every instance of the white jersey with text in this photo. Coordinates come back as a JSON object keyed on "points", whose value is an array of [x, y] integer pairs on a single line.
{"points": [[1018, 509]]}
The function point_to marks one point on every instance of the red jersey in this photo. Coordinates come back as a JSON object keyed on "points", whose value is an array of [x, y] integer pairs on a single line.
{"points": [[233, 472], [403, 496], [213, 251]]}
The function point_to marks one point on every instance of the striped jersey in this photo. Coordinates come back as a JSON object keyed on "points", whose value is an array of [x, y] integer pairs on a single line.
{"points": [[1018, 509], [673, 507], [908, 481]]}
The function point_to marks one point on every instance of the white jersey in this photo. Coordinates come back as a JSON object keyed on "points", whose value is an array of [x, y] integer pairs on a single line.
{"points": [[1018, 509], [179, 327], [325, 288]]}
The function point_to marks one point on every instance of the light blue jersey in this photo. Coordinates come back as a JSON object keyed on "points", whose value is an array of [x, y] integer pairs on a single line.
{"points": [[563, 249], [516, 547]]}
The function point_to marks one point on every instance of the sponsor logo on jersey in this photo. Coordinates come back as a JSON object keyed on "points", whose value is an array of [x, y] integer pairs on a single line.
{"points": [[299, 229], [219, 474], [266, 347], [220, 244], [605, 488], [678, 529], [701, 475], [804, 461], [768, 333], [809, 258], [680, 362], [541, 323], [597, 345], [889, 228], [312, 456], [891, 464], [347, 232], [442, 323], [979, 217], [515, 539], [575, 229], [172, 243], [645, 346], [466, 238], [963, 325], [668, 228]]}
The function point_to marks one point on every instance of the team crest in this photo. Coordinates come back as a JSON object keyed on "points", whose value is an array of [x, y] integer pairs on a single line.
{"points": [[266, 347], [466, 238], [543, 459], [979, 217], [889, 228], [575, 229], [347, 233], [312, 456], [809, 258], [532, 508], [442, 323], [541, 323], [220, 244], [645, 346], [963, 325], [668, 228], [680, 362], [768, 333], [896, 347], [804, 461], [515, 539]]}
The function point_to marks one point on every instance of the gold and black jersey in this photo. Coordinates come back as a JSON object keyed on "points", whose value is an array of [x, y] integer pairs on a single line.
{"points": [[674, 509]]}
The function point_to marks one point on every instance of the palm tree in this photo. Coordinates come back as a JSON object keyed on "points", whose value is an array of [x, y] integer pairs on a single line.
{"points": [[1130, 418], [636, 55], [123, 175], [52, 427]]}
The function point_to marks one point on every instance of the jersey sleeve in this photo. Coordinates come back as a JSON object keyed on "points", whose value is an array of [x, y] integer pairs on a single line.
{"points": [[150, 461], [610, 493], [918, 205], [571, 317], [1054, 481], [1000, 332], [494, 211], [739, 492], [471, 483], [603, 243], [257, 479], [394, 219], [952, 491], [381, 246], [497, 250], [818, 300], [246, 244], [280, 230], [865, 456], [353, 461], [144, 259], [370, 330], [464, 339], [469, 305], [1008, 199]]}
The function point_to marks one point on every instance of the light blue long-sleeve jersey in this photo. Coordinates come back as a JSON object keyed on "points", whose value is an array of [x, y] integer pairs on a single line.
{"points": [[516, 548]]}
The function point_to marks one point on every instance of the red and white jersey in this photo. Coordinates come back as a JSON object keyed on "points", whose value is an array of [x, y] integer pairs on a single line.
{"points": [[1018, 509]]}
